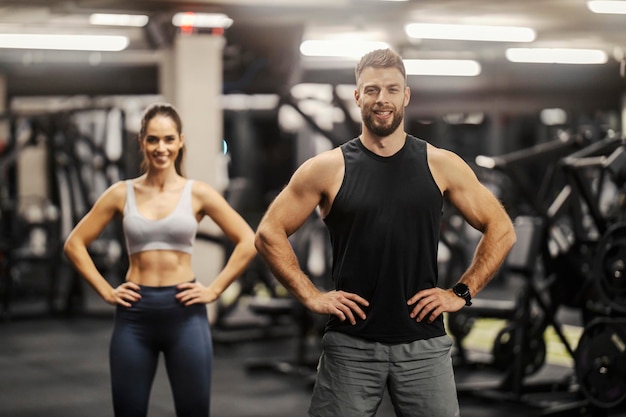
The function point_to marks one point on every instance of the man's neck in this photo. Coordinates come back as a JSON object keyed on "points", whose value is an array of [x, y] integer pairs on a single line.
{"points": [[384, 146]]}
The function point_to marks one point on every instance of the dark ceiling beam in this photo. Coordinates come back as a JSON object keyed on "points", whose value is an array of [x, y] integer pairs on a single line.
{"points": [[61, 80]]}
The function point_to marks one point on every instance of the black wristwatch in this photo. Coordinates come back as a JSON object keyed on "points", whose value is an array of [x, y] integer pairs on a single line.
{"points": [[463, 291]]}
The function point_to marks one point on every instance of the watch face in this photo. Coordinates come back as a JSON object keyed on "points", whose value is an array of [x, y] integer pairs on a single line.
{"points": [[461, 290]]}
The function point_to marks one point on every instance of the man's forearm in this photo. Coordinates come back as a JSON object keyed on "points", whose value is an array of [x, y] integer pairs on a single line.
{"points": [[283, 263], [489, 256]]}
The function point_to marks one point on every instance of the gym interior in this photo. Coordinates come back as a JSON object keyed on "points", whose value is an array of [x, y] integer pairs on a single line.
{"points": [[546, 337]]}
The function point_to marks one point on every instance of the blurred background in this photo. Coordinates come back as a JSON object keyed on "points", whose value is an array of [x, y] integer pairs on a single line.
{"points": [[531, 94]]}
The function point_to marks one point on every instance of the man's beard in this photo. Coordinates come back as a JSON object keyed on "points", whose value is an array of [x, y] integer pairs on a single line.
{"points": [[377, 128]]}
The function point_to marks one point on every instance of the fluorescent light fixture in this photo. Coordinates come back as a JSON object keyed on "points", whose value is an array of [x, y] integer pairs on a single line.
{"points": [[470, 32], [610, 7], [475, 118], [556, 56], [201, 20], [442, 67], [106, 19], [339, 48], [63, 42]]}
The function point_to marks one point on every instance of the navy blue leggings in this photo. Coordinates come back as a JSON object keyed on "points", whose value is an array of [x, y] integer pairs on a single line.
{"points": [[159, 323]]}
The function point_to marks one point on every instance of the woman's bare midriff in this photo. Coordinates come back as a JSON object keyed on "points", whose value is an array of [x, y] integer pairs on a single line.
{"points": [[160, 268]]}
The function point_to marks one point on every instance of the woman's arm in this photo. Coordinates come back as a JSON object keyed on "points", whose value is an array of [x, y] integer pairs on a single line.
{"points": [[236, 229], [110, 203]]}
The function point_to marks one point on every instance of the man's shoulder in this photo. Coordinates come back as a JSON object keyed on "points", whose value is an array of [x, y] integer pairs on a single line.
{"points": [[327, 159]]}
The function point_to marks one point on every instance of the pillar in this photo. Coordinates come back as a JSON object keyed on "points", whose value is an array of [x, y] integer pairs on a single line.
{"points": [[623, 116], [3, 93], [191, 79], [4, 124]]}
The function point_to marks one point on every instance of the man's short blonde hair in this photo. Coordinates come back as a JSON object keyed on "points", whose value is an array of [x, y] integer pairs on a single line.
{"points": [[380, 58]]}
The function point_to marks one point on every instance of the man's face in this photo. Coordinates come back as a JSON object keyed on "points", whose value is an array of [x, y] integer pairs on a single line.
{"points": [[382, 95]]}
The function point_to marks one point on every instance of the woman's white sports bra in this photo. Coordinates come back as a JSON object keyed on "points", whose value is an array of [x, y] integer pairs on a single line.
{"points": [[177, 231]]}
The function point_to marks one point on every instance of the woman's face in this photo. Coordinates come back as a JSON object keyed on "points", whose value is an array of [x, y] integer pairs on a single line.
{"points": [[162, 143]]}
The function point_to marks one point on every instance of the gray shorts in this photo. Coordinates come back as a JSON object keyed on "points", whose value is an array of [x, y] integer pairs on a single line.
{"points": [[353, 374]]}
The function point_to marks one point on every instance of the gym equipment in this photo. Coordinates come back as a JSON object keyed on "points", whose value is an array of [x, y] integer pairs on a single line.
{"points": [[339, 132], [506, 348], [84, 149], [312, 247], [257, 305], [610, 267], [86, 158], [29, 236], [33, 249], [593, 204], [311, 244], [601, 362], [529, 207], [455, 242], [459, 325], [519, 350], [554, 266], [534, 173], [586, 171]]}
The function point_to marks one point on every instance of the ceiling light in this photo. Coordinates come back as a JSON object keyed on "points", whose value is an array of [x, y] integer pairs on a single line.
{"points": [[201, 20], [63, 42], [470, 32], [556, 56], [135, 20], [339, 48], [610, 7], [442, 67], [476, 118]]}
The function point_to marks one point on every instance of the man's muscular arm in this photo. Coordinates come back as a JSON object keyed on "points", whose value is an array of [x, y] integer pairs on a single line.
{"points": [[482, 210], [287, 213]]}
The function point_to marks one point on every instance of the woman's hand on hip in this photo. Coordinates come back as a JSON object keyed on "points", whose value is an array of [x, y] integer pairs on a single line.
{"points": [[124, 294], [195, 293]]}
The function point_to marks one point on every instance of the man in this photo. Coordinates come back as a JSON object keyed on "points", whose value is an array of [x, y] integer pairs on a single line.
{"points": [[381, 196]]}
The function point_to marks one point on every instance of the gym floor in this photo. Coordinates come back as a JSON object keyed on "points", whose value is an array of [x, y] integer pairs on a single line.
{"points": [[58, 367]]}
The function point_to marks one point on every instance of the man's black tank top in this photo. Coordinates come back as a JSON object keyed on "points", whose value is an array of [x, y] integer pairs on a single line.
{"points": [[384, 228]]}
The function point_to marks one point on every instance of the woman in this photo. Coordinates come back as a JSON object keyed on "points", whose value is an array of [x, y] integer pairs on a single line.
{"points": [[160, 306]]}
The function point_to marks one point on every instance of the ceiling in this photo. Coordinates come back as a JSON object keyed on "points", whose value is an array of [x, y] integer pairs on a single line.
{"points": [[262, 54]]}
